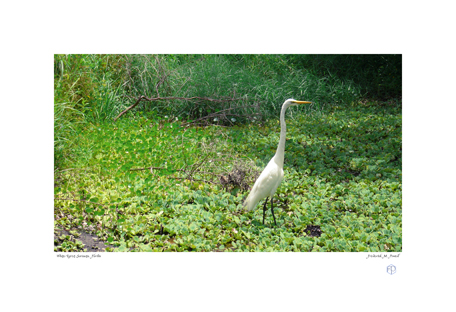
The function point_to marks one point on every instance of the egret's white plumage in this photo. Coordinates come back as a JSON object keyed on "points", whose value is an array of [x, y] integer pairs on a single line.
{"points": [[271, 177], [266, 184]]}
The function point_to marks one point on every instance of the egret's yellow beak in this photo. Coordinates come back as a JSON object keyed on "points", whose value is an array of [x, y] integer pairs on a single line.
{"points": [[302, 102]]}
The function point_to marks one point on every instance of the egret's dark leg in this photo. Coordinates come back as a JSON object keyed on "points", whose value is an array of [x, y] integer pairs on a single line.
{"points": [[272, 209], [264, 208]]}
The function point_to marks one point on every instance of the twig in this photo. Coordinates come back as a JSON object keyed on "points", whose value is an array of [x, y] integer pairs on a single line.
{"points": [[155, 168], [200, 163], [184, 82], [132, 106]]}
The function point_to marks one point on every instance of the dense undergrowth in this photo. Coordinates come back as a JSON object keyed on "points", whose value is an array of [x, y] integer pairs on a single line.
{"points": [[343, 158]]}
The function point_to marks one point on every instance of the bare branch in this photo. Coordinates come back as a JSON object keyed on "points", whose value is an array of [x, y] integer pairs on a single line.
{"points": [[142, 97], [132, 106], [220, 113], [154, 168]]}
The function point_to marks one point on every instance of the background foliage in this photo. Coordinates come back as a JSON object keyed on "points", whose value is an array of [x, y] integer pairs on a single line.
{"points": [[343, 157]]}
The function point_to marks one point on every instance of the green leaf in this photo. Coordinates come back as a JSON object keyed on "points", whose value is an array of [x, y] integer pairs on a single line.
{"points": [[94, 200]]}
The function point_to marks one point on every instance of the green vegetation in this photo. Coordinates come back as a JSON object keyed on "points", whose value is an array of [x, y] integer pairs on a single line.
{"points": [[343, 158]]}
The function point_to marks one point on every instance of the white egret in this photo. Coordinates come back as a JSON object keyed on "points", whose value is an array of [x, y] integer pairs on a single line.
{"points": [[269, 180]]}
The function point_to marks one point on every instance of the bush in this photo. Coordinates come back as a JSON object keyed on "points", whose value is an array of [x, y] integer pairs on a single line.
{"points": [[378, 76], [86, 89]]}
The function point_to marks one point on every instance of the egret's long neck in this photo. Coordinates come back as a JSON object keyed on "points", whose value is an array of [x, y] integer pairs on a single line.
{"points": [[283, 130]]}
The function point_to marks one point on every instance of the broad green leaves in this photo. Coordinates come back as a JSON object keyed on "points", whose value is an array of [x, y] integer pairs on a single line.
{"points": [[343, 172]]}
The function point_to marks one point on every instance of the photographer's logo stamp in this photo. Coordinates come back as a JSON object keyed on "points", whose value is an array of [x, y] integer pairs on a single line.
{"points": [[391, 269]]}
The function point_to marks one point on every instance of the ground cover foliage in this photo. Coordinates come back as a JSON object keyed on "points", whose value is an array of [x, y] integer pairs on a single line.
{"points": [[155, 181]]}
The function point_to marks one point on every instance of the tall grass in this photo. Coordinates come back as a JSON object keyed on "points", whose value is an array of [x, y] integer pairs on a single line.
{"points": [[253, 79], [66, 119], [96, 88], [86, 89]]}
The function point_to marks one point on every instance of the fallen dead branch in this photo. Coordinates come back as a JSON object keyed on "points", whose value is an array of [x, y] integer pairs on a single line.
{"points": [[222, 114], [154, 168], [144, 98]]}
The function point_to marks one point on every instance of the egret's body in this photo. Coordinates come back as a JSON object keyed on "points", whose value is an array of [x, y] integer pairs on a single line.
{"points": [[271, 177], [266, 184]]}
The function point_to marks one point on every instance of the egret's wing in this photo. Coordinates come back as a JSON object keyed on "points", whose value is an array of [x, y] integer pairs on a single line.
{"points": [[263, 186]]}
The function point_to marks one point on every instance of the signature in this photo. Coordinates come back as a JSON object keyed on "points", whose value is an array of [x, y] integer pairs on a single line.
{"points": [[68, 256], [383, 256]]}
